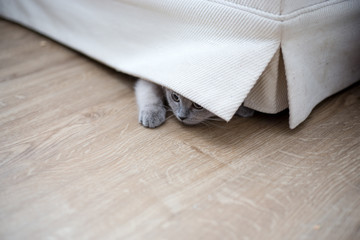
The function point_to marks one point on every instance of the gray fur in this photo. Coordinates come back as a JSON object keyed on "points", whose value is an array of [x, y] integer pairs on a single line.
{"points": [[185, 111], [152, 111]]}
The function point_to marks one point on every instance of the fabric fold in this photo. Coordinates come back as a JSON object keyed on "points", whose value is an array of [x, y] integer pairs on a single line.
{"points": [[269, 94], [321, 52], [218, 53], [210, 53]]}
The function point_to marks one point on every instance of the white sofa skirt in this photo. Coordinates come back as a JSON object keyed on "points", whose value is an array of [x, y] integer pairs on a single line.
{"points": [[270, 54]]}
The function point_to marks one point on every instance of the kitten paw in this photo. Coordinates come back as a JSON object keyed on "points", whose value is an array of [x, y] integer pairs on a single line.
{"points": [[152, 116], [245, 111]]}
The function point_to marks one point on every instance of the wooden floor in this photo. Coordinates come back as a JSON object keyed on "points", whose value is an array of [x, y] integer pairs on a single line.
{"points": [[75, 163]]}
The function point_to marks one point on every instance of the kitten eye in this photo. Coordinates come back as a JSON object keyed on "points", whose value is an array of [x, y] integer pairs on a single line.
{"points": [[175, 97], [197, 106]]}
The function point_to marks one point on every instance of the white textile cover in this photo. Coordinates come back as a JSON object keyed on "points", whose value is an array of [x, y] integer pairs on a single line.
{"points": [[269, 54]]}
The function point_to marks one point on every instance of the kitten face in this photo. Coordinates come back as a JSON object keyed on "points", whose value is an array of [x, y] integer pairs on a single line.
{"points": [[185, 110]]}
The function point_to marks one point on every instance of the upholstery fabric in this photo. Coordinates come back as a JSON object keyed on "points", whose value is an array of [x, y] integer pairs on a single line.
{"points": [[269, 54]]}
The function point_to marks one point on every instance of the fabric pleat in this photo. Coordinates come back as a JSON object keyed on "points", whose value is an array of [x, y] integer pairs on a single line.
{"points": [[269, 55]]}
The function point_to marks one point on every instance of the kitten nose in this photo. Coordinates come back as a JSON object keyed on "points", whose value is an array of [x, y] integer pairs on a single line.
{"points": [[182, 118]]}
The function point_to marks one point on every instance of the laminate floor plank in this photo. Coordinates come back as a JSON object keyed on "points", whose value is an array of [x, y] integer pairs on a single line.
{"points": [[76, 164]]}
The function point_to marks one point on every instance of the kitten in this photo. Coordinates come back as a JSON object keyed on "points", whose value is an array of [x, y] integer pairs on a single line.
{"points": [[151, 98]]}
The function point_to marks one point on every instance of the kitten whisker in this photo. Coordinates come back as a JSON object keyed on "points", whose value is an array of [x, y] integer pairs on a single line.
{"points": [[212, 124], [152, 102], [215, 119], [205, 123], [170, 116]]}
